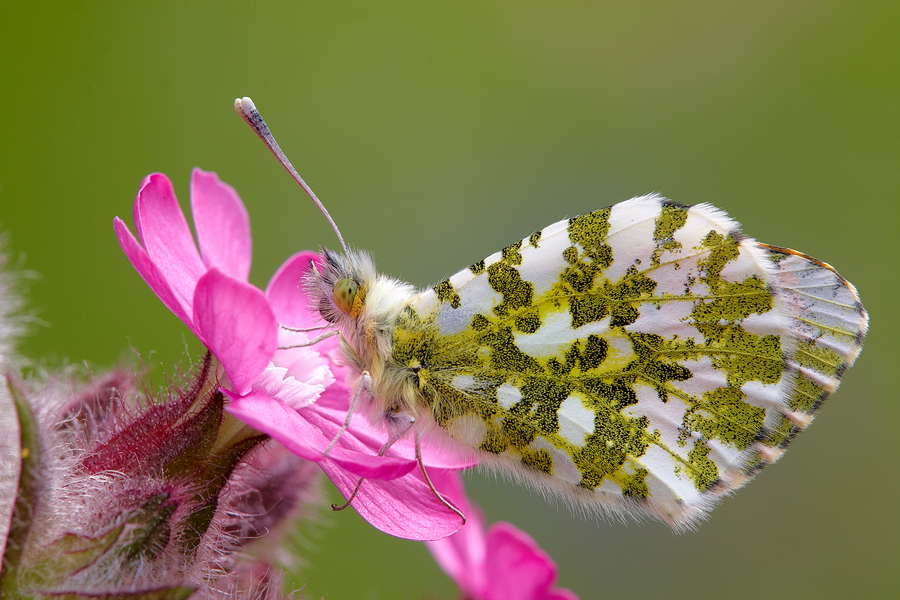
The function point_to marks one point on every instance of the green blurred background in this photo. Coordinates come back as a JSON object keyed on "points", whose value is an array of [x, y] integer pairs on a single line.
{"points": [[437, 134]]}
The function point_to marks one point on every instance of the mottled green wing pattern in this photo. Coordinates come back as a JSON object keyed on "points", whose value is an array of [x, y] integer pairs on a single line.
{"points": [[643, 359]]}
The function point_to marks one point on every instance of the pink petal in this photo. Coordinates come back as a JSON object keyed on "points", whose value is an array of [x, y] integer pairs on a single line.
{"points": [[287, 296], [295, 392], [305, 439], [506, 564], [151, 274], [561, 594], [164, 232], [438, 452], [435, 453], [305, 364], [356, 449], [404, 507], [338, 394], [518, 568], [222, 224], [237, 325], [273, 418]]}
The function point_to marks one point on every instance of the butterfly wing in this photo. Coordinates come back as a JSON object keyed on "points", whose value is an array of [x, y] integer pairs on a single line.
{"points": [[643, 359]]}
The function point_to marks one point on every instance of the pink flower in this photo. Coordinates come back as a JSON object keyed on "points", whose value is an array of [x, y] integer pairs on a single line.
{"points": [[503, 563], [404, 505], [208, 287], [289, 393]]}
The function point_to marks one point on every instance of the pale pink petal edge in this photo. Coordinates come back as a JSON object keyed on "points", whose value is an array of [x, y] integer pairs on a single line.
{"points": [[222, 225]]}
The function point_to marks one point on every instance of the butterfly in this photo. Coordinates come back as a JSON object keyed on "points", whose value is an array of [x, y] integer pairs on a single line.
{"points": [[642, 360]]}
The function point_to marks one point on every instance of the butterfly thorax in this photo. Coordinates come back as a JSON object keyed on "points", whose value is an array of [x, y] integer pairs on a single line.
{"points": [[366, 324]]}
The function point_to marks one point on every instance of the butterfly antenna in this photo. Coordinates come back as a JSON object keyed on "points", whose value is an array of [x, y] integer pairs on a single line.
{"points": [[247, 110]]}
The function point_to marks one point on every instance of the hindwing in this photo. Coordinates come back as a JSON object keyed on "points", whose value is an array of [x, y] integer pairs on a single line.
{"points": [[645, 358]]}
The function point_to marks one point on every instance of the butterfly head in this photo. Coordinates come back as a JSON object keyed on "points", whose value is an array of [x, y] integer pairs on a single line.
{"points": [[339, 285], [347, 291], [348, 296]]}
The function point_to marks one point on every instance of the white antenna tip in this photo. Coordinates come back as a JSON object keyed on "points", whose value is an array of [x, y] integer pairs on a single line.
{"points": [[244, 105], [247, 110]]}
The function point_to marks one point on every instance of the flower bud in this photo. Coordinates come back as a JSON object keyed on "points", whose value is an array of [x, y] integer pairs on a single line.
{"points": [[120, 494]]}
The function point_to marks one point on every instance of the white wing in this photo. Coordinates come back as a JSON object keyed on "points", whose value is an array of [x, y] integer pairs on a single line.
{"points": [[643, 359]]}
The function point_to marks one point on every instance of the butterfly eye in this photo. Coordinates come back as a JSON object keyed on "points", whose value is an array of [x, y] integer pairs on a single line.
{"points": [[347, 296]]}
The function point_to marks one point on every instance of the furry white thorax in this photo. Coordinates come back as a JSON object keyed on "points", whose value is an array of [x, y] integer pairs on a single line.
{"points": [[367, 337]]}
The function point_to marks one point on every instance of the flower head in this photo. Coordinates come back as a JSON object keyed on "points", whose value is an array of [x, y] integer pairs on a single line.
{"points": [[118, 493], [394, 497], [502, 563], [207, 287], [276, 384]]}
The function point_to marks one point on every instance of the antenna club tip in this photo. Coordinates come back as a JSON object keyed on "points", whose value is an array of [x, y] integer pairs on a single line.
{"points": [[244, 105], [247, 110]]}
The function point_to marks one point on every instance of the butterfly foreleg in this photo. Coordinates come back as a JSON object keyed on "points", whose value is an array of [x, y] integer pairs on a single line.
{"points": [[303, 329], [313, 341]]}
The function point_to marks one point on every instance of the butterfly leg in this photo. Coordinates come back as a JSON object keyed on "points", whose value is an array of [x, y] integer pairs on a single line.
{"points": [[365, 381], [303, 329], [311, 342], [431, 487], [337, 508], [404, 426]]}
